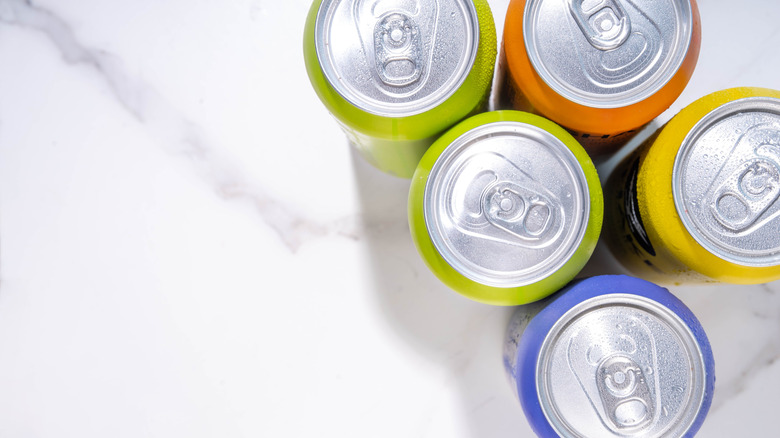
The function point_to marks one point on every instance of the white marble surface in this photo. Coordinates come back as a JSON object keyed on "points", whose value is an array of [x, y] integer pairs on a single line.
{"points": [[188, 246]]}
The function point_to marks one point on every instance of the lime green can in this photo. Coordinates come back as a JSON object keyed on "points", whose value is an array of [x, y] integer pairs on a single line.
{"points": [[397, 73], [506, 208]]}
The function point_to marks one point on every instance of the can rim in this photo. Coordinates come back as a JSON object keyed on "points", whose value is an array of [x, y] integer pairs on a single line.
{"points": [[566, 250], [397, 110], [659, 79], [746, 104], [685, 334]]}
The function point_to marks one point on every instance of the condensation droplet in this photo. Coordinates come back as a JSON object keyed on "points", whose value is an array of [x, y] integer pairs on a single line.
{"points": [[594, 354]]}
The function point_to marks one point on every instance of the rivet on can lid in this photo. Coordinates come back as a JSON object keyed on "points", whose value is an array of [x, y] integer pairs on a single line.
{"points": [[623, 365], [726, 182], [607, 53], [506, 204], [396, 58]]}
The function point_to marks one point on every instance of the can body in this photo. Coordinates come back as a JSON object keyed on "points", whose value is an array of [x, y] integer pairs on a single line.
{"points": [[699, 201], [392, 75], [505, 208], [604, 72], [610, 356]]}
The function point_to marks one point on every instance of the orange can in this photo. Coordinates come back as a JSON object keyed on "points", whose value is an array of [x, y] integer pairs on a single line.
{"points": [[601, 69]]}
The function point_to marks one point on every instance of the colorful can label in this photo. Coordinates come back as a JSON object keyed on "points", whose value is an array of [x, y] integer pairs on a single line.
{"points": [[505, 208], [397, 73], [600, 69], [699, 201], [610, 356]]}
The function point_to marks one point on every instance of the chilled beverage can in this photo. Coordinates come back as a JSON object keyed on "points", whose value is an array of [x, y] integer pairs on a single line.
{"points": [[601, 69], [699, 201], [397, 73], [505, 208], [610, 356]]}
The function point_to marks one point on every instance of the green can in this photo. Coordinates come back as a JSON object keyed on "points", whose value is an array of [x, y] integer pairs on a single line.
{"points": [[506, 208], [397, 73]]}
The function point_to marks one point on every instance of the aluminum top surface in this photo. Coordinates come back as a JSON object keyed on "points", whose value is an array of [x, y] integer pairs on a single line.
{"points": [[607, 53], [396, 58], [620, 365], [726, 182], [506, 204]]}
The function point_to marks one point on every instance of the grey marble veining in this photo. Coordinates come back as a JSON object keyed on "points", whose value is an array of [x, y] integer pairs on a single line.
{"points": [[175, 133]]}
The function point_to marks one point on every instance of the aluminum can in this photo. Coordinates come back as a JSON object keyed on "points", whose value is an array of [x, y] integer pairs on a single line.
{"points": [[699, 201], [610, 356], [505, 208], [601, 69], [397, 73]]}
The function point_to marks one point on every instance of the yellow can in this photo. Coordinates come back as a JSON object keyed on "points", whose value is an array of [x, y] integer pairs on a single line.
{"points": [[700, 199]]}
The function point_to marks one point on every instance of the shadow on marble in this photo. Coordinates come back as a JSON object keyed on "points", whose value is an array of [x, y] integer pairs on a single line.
{"points": [[464, 338]]}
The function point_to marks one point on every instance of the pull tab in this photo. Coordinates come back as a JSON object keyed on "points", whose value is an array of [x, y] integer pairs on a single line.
{"points": [[398, 50], [518, 211], [617, 371], [625, 392], [605, 25], [491, 198], [748, 192]]}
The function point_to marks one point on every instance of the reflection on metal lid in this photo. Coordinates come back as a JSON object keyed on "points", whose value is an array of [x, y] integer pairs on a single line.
{"points": [[506, 204], [726, 182], [396, 58], [623, 365], [607, 53]]}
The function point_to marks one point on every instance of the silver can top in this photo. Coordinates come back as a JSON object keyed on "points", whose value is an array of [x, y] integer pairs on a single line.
{"points": [[620, 365], [726, 182], [396, 58], [607, 53], [506, 204]]}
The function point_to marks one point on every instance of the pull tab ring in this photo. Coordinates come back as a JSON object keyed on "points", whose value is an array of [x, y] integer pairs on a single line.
{"points": [[606, 26]]}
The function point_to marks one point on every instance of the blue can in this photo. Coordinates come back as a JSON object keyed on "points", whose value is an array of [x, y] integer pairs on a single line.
{"points": [[610, 356]]}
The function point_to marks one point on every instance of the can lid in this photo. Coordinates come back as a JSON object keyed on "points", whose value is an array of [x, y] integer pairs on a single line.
{"points": [[726, 182], [607, 53], [396, 58], [621, 365], [506, 204]]}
